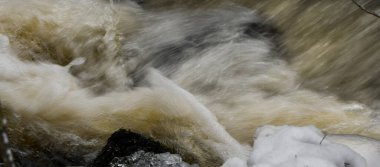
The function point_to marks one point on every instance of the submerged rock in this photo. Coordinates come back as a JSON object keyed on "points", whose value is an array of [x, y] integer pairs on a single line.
{"points": [[123, 149], [45, 158]]}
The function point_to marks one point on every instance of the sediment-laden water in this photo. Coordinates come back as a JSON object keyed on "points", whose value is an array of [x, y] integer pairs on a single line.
{"points": [[197, 76]]}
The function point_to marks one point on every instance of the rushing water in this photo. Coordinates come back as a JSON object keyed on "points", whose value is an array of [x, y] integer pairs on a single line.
{"points": [[198, 76]]}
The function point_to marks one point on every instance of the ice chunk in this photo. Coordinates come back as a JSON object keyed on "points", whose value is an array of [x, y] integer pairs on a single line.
{"points": [[289, 146], [366, 147]]}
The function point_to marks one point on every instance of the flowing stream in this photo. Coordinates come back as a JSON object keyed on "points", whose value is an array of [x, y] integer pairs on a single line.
{"points": [[198, 76]]}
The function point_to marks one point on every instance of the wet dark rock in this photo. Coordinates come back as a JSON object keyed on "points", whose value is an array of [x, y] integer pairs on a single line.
{"points": [[148, 159], [258, 29], [124, 143]]}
